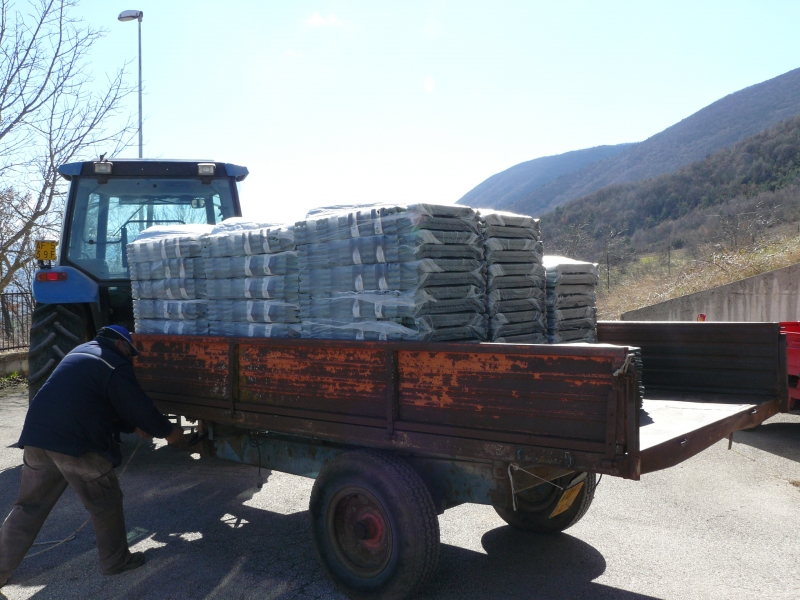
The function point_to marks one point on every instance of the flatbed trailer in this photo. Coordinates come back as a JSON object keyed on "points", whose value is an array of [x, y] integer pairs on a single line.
{"points": [[395, 433]]}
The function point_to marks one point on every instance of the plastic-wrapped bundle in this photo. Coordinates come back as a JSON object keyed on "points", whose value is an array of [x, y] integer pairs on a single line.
{"points": [[532, 317], [415, 275], [172, 327], [253, 311], [378, 249], [516, 279], [554, 325], [520, 305], [235, 237], [254, 330], [260, 265], [561, 270], [169, 289], [389, 305], [180, 268], [162, 242], [555, 278], [515, 270], [332, 329], [571, 300], [392, 272], [580, 312], [516, 282], [573, 336], [169, 309], [497, 218], [530, 338], [505, 250], [430, 323], [342, 223], [506, 294], [522, 233], [515, 329], [265, 288]]}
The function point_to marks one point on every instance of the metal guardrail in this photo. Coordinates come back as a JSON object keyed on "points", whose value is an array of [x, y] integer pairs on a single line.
{"points": [[15, 320]]}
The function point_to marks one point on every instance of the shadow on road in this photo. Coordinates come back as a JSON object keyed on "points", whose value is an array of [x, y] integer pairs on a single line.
{"points": [[202, 539], [523, 565], [780, 439]]}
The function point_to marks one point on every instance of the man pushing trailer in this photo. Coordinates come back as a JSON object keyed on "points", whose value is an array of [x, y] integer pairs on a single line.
{"points": [[68, 439]]}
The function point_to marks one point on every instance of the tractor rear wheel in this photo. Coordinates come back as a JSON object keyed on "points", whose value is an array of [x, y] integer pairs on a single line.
{"points": [[55, 330]]}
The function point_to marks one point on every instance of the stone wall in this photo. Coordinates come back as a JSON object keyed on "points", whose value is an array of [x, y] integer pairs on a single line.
{"points": [[769, 297]]}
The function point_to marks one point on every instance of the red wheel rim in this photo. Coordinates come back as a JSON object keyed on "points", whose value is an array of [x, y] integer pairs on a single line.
{"points": [[359, 532]]}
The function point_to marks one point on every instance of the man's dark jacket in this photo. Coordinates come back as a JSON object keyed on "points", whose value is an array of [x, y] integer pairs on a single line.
{"points": [[83, 402]]}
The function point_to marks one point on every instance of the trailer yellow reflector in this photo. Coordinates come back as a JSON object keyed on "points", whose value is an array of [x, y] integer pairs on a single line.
{"points": [[567, 499]]}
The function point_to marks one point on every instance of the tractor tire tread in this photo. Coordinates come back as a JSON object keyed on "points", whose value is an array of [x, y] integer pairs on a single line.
{"points": [[55, 330]]}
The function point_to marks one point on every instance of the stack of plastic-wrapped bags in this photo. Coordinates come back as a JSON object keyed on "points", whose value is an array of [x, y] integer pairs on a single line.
{"points": [[168, 280], [516, 278], [252, 280], [381, 272], [571, 300], [392, 273]]}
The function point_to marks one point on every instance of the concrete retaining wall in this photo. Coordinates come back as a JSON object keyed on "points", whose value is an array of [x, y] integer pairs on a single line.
{"points": [[769, 297], [14, 361]]}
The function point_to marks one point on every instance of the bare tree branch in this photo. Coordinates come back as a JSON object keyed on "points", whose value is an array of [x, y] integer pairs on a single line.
{"points": [[51, 112]]}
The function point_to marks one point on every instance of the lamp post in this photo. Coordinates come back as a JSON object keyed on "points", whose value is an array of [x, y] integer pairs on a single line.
{"points": [[130, 15]]}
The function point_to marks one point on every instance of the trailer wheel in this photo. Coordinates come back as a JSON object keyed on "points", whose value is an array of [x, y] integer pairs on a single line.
{"points": [[535, 505], [55, 330], [374, 526]]}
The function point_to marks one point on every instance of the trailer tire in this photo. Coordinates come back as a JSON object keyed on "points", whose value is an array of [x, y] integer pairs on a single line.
{"points": [[55, 330], [535, 505], [374, 526]]}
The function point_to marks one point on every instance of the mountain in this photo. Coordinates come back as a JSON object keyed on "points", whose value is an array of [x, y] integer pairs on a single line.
{"points": [[716, 126], [519, 181], [729, 196]]}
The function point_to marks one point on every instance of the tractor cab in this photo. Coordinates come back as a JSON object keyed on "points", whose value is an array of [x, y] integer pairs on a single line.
{"points": [[110, 203]]}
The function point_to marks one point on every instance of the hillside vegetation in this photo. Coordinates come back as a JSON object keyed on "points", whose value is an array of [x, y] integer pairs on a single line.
{"points": [[719, 125], [506, 188], [730, 198]]}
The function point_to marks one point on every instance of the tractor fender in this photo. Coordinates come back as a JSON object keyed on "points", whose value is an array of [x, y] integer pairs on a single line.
{"points": [[76, 288]]}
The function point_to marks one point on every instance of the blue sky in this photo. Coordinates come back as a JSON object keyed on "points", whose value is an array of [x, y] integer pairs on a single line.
{"points": [[344, 101]]}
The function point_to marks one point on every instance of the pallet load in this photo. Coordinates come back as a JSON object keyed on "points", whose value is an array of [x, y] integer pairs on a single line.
{"points": [[251, 275], [515, 295], [392, 273], [168, 280], [571, 300]]}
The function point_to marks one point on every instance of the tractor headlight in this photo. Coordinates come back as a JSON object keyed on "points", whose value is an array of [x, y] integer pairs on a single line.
{"points": [[103, 168], [206, 169]]}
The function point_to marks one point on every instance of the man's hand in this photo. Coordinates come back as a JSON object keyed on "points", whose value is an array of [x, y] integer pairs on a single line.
{"points": [[177, 439], [143, 434]]}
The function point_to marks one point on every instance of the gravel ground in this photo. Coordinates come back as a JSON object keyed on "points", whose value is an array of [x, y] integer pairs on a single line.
{"points": [[724, 524]]}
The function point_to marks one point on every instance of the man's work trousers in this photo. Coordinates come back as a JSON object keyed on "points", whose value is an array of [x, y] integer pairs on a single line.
{"points": [[45, 476]]}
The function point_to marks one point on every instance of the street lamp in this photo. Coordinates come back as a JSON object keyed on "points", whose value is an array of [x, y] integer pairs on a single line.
{"points": [[130, 15]]}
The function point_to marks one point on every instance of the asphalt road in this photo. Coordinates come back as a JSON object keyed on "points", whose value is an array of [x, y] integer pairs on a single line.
{"points": [[725, 524]]}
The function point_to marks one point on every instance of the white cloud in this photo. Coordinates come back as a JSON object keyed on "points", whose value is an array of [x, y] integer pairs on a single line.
{"points": [[429, 83], [317, 20]]}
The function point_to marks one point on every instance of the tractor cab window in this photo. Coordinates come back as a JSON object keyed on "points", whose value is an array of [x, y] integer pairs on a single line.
{"points": [[108, 216]]}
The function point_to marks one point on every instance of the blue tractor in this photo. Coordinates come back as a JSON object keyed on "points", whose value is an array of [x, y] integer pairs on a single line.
{"points": [[87, 285]]}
